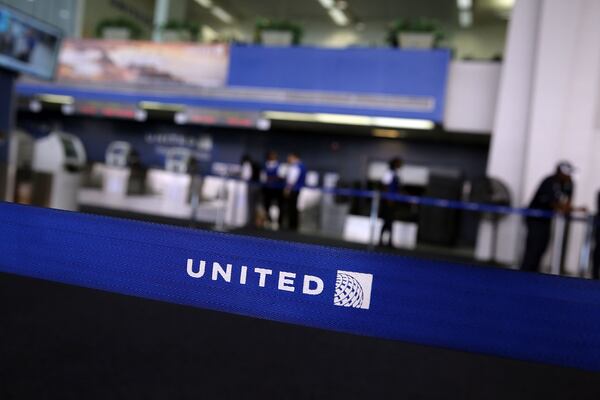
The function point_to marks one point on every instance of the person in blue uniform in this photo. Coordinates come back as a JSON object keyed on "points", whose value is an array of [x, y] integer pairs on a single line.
{"points": [[294, 181], [390, 184], [272, 190], [250, 173], [554, 194]]}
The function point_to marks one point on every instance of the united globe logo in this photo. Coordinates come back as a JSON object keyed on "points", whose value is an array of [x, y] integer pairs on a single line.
{"points": [[353, 289]]}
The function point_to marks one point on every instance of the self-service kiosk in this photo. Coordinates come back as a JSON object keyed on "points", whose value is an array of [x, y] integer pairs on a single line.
{"points": [[58, 160], [178, 171], [116, 172]]}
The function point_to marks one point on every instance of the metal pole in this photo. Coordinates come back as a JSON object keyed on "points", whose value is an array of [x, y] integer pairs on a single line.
{"points": [[373, 219], [195, 187], [161, 15], [560, 225], [220, 220], [586, 248]]}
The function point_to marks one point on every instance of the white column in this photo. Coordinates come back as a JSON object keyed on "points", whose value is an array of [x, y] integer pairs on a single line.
{"points": [[509, 140], [161, 16], [164, 11], [565, 103], [78, 18], [548, 107]]}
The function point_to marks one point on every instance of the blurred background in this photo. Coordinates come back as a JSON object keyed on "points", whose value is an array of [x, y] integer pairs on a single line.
{"points": [[400, 126]]}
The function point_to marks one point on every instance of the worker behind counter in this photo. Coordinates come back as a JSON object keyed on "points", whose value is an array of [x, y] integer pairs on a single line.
{"points": [[554, 194], [294, 181], [250, 173], [272, 191], [391, 184]]}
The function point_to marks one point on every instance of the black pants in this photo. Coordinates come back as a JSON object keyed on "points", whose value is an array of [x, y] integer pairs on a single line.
{"points": [[291, 210], [272, 196], [538, 236], [388, 211]]}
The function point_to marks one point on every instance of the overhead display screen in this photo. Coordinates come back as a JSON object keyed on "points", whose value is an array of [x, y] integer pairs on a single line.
{"points": [[28, 45]]}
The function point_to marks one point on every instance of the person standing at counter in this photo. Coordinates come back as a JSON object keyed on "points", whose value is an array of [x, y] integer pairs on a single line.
{"points": [[553, 194], [294, 181], [250, 173], [391, 184], [272, 186]]}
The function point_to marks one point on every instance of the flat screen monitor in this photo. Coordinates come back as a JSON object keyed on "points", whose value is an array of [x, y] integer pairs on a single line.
{"points": [[28, 45]]}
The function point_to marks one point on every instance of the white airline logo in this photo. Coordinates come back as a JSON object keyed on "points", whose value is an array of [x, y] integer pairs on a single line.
{"points": [[352, 289]]}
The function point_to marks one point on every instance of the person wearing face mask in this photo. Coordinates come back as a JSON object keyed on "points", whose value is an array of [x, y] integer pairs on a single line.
{"points": [[390, 184]]}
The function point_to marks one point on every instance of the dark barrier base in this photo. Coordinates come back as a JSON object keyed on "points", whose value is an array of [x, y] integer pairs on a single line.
{"points": [[65, 342]]}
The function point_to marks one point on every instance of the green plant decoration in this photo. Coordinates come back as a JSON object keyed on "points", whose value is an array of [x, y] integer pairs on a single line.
{"points": [[179, 26], [420, 25], [134, 30], [285, 26]]}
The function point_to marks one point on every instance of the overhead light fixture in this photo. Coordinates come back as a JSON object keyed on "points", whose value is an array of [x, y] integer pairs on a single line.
{"points": [[504, 4], [289, 116], [263, 124], [209, 34], [465, 18], [327, 3], [140, 115], [464, 4], [181, 118], [157, 106], [67, 109], [221, 14], [504, 7], [338, 16], [347, 119], [215, 10], [343, 119], [386, 133], [408, 123], [205, 3], [35, 106], [64, 14], [56, 99]]}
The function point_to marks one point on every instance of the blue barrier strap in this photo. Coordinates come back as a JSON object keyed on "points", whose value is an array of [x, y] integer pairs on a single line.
{"points": [[506, 313], [467, 206], [430, 201]]}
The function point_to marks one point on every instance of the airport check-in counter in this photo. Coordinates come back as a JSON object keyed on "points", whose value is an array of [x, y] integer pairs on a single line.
{"points": [[174, 192], [58, 161]]}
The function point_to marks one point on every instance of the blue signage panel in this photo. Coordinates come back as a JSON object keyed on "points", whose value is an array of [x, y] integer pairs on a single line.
{"points": [[402, 83]]}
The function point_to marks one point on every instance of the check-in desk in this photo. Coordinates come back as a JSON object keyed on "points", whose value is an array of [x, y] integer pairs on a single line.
{"points": [[220, 201]]}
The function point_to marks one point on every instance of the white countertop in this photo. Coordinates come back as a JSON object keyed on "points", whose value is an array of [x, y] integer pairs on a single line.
{"points": [[151, 204]]}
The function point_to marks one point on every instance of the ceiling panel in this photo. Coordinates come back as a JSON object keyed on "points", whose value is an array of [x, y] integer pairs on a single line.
{"points": [[366, 10]]}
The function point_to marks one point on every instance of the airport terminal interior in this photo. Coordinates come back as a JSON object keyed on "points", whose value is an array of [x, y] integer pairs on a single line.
{"points": [[454, 133]]}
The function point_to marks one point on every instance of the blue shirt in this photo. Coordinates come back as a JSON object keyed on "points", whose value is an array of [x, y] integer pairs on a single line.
{"points": [[296, 176]]}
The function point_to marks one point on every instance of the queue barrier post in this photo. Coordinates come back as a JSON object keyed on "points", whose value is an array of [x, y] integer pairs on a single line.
{"points": [[560, 225], [221, 210], [585, 252], [373, 218]]}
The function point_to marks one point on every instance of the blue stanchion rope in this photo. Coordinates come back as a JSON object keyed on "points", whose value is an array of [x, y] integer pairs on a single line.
{"points": [[423, 200], [534, 317]]}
